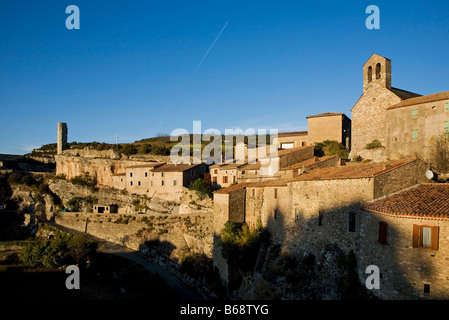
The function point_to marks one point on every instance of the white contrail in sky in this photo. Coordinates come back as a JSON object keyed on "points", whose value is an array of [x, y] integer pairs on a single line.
{"points": [[210, 48]]}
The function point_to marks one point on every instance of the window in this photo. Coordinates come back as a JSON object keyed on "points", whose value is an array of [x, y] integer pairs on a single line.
{"points": [[351, 222], [297, 216], [425, 236], [415, 113], [192, 172], [287, 145], [216, 171], [162, 182], [303, 144], [138, 183], [382, 232], [131, 174], [233, 179], [276, 212], [426, 288], [214, 179], [146, 174], [225, 179], [174, 182], [130, 183], [446, 128], [275, 193], [370, 74], [378, 71], [121, 179], [447, 106], [414, 134], [243, 172], [320, 218], [162, 174], [254, 193]]}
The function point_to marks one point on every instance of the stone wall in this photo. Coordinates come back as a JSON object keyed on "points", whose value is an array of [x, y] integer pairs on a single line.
{"points": [[429, 123], [177, 235], [400, 178], [404, 269]]}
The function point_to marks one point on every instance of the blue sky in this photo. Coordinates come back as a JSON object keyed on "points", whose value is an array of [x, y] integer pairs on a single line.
{"points": [[133, 68]]}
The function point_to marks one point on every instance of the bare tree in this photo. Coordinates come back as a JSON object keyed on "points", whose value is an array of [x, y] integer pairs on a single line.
{"points": [[440, 153]]}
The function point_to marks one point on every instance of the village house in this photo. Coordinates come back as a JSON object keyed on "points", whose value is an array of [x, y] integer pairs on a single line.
{"points": [[321, 127], [227, 174], [407, 236], [412, 125], [403, 122], [316, 208]]}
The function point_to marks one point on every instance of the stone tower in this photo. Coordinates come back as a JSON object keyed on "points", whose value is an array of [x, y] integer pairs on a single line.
{"points": [[377, 70], [62, 137]]}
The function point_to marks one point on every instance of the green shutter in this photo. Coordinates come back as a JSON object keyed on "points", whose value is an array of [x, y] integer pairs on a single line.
{"points": [[414, 113], [447, 106], [415, 134], [446, 127]]}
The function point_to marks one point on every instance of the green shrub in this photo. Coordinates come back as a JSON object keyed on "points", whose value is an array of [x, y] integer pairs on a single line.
{"points": [[128, 149], [240, 245], [64, 249], [85, 181], [202, 188], [373, 144], [330, 148]]}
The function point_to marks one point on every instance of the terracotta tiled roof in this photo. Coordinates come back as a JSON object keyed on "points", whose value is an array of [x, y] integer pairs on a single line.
{"points": [[174, 168], [234, 187], [267, 183], [146, 165], [287, 151], [422, 99], [308, 162], [251, 166], [326, 114], [427, 200], [355, 171], [293, 133]]}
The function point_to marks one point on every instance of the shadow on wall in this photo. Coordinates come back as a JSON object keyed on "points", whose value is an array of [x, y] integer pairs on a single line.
{"points": [[195, 269], [325, 256]]}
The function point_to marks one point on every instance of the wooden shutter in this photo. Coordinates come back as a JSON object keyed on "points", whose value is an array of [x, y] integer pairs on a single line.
{"points": [[434, 240], [415, 241]]}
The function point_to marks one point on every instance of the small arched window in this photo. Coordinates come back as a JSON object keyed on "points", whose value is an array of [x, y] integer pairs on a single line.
{"points": [[370, 74], [378, 71]]}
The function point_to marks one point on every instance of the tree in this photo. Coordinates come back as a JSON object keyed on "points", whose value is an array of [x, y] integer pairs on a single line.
{"points": [[128, 149], [202, 188], [330, 148], [439, 154]]}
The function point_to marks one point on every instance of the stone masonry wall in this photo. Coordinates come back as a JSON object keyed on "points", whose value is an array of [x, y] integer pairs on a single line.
{"points": [[191, 233], [404, 269]]}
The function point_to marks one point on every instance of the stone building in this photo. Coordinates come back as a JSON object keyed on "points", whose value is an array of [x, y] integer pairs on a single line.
{"points": [[168, 181], [329, 126], [369, 114], [403, 122], [288, 140], [413, 124], [316, 208], [227, 174], [407, 236], [321, 127]]}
